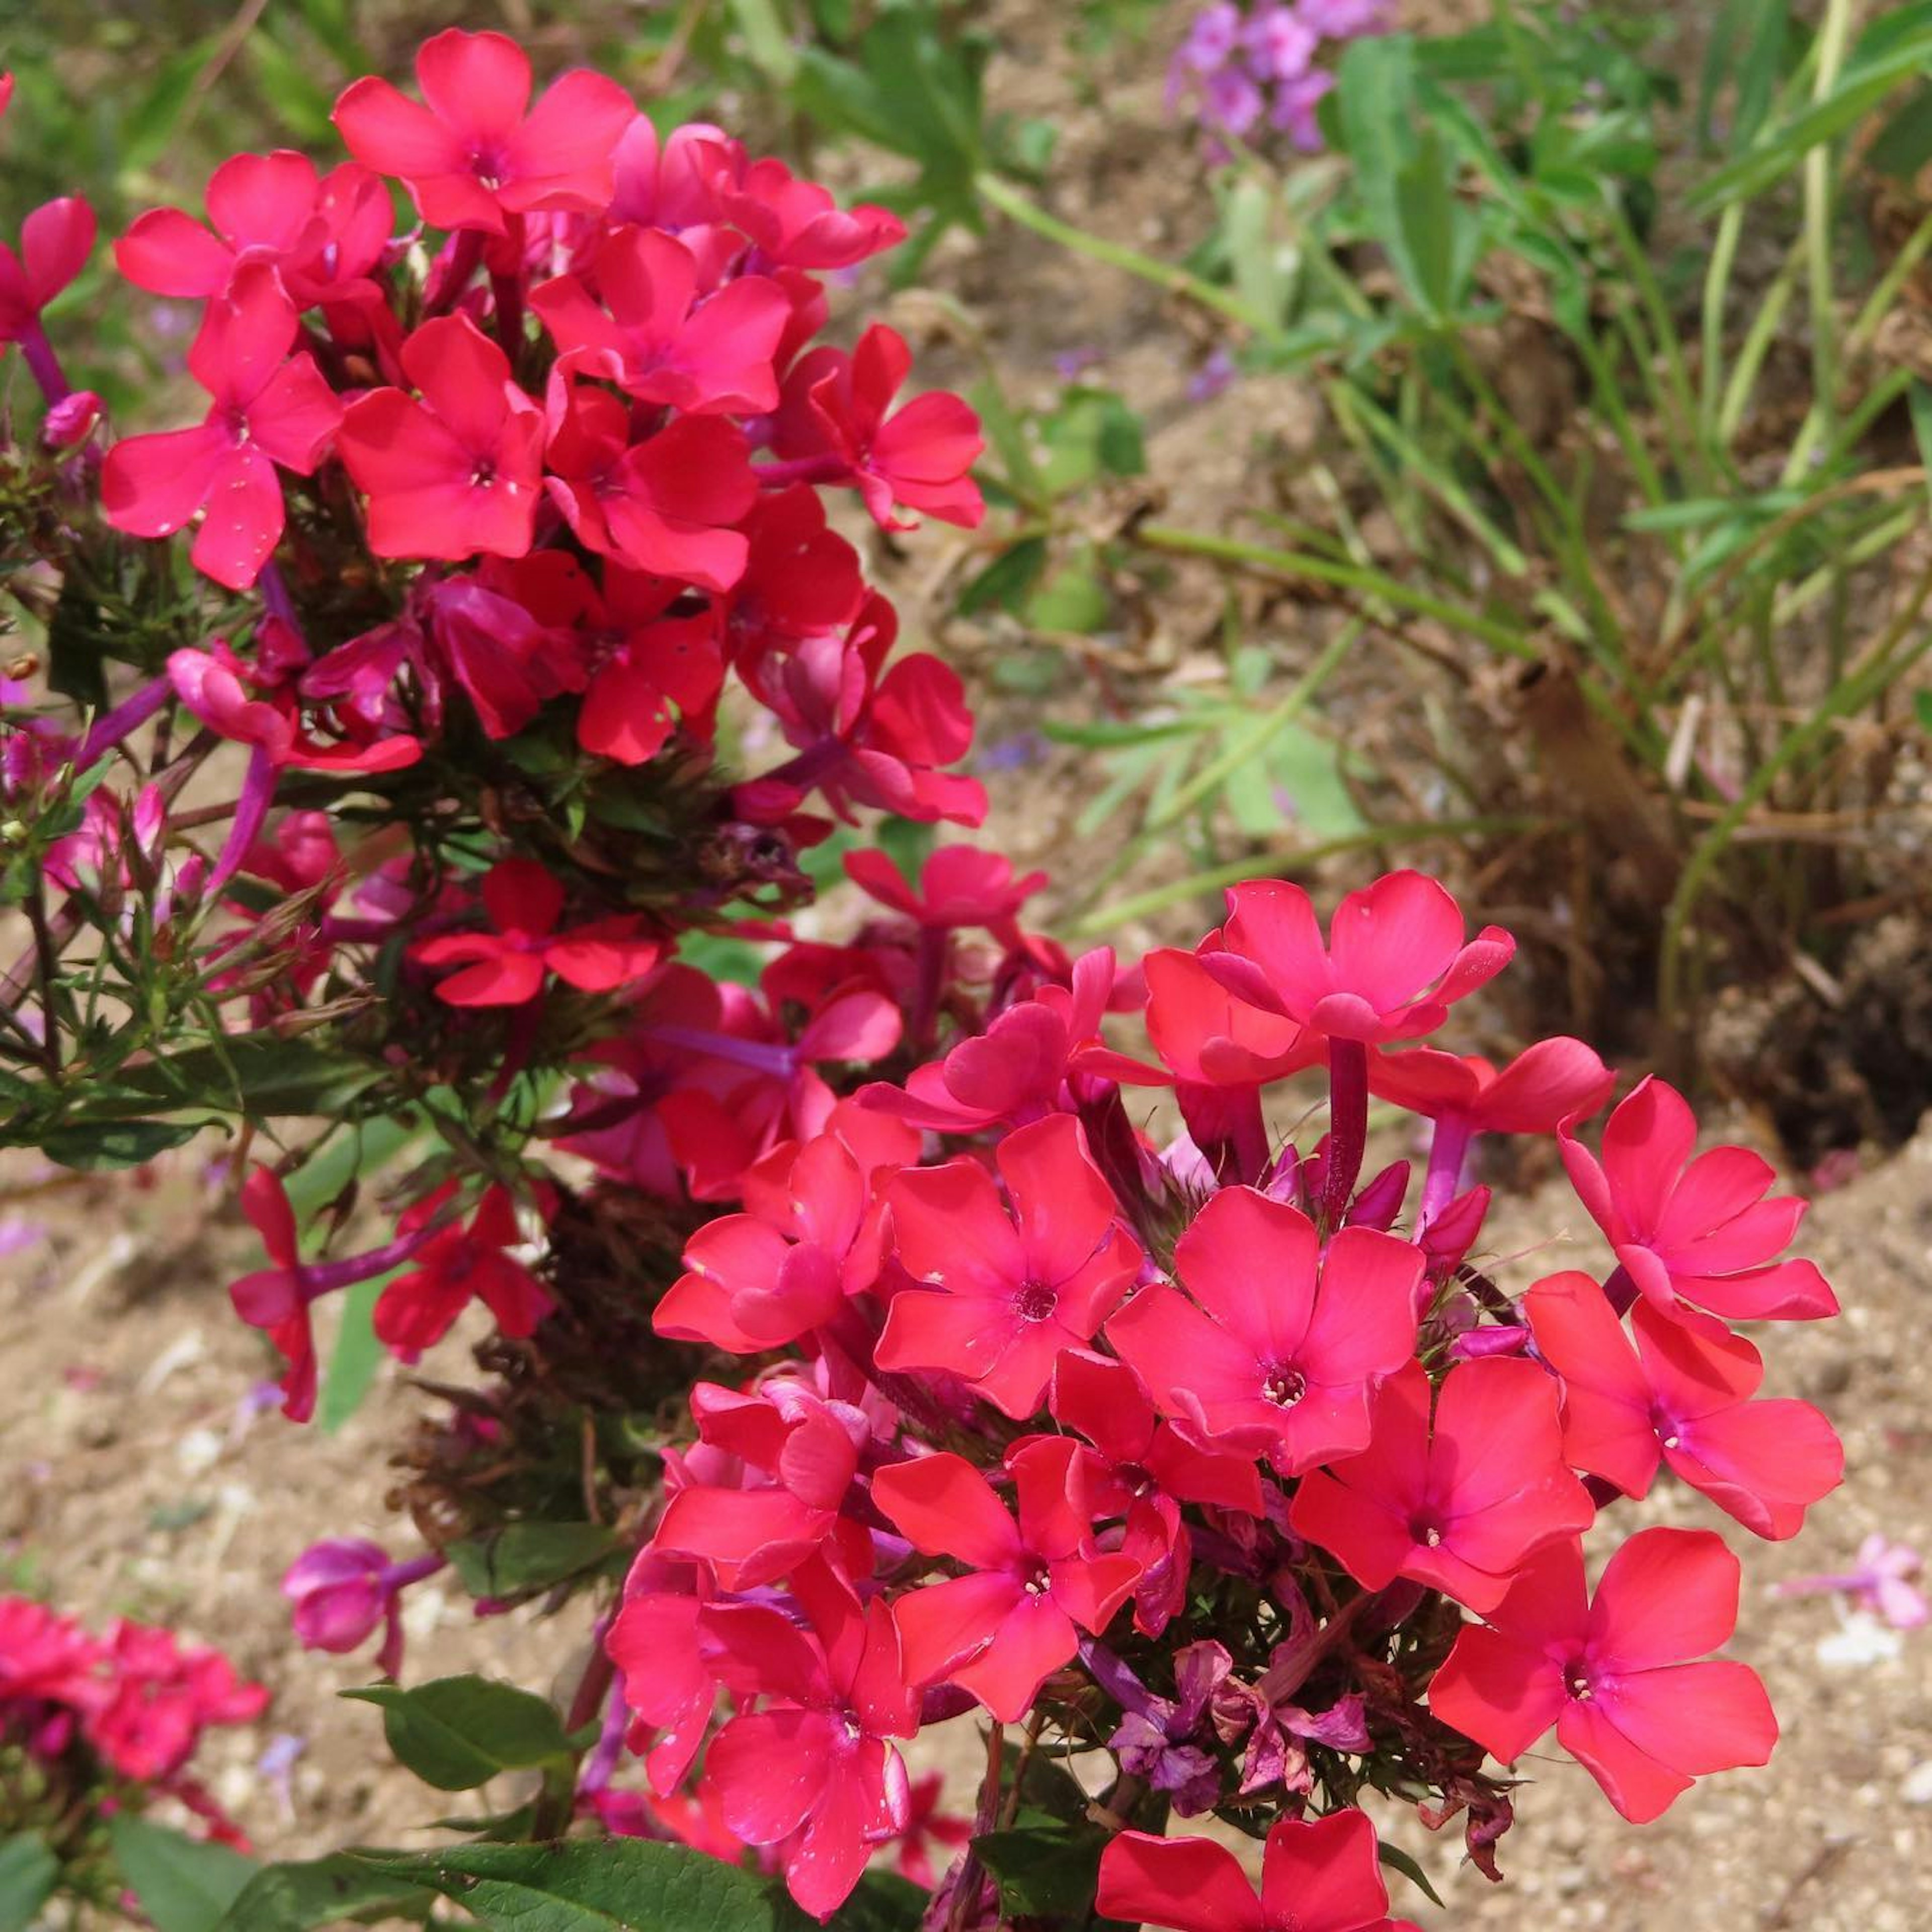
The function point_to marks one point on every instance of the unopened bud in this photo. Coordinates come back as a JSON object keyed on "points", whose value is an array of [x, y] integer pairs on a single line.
{"points": [[70, 421]]}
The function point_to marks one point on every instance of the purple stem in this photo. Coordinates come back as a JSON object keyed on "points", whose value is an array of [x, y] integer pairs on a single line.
{"points": [[127, 718], [275, 589], [1348, 1126], [507, 290], [809, 767], [325, 1277], [763, 1056], [1448, 1153], [258, 789], [935, 956], [45, 365], [1621, 1292], [1114, 1677]]}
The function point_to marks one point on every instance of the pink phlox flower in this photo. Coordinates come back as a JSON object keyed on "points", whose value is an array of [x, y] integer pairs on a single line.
{"points": [[676, 181], [812, 1766], [1318, 1875], [654, 329], [997, 1294], [272, 1299], [1020, 1068], [475, 153], [1394, 961], [455, 1266], [1671, 1394], [800, 1454], [1000, 1630], [1277, 1348], [812, 1237], [268, 408], [323, 235], [507, 965], [456, 472], [926, 1827], [664, 503], [1611, 1673], [1458, 1507], [797, 224], [799, 577], [1700, 1230], [56, 241], [1553, 1082], [668, 1680], [959, 886], [835, 407]]}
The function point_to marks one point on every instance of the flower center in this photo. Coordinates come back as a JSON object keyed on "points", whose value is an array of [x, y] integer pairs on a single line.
{"points": [[1577, 1681], [1286, 1385], [1430, 1535], [1035, 1302], [487, 165], [483, 475], [1038, 1582]]}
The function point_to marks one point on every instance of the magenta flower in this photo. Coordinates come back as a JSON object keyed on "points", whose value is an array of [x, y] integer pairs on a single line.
{"points": [[1610, 1673], [268, 408], [1697, 1231], [1002, 1630], [1002, 1294], [1880, 1582], [1458, 1505], [1676, 1395], [456, 472], [475, 153], [1277, 1349]]}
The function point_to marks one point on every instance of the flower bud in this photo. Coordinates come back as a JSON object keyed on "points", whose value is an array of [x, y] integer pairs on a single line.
{"points": [[70, 421]]}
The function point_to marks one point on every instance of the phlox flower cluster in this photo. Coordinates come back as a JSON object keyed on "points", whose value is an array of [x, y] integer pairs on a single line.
{"points": [[853, 1297], [93, 1724], [1245, 70]]}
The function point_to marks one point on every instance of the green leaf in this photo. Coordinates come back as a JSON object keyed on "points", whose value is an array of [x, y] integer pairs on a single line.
{"points": [[184, 1885], [1921, 709], [1399, 1860], [457, 1732], [884, 1902], [522, 1556], [1045, 1868], [617, 1884], [323, 1891], [765, 39], [147, 129], [1903, 145], [1007, 580], [356, 1357], [28, 1873], [90, 1146]]}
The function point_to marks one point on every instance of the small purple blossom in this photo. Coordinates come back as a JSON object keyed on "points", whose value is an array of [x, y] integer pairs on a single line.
{"points": [[1240, 68], [1212, 377], [1877, 1582]]}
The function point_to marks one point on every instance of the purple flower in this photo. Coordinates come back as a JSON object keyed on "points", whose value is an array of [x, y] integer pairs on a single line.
{"points": [[1877, 1582], [1212, 37], [1343, 19], [1294, 105], [1280, 44], [1211, 378], [345, 1588]]}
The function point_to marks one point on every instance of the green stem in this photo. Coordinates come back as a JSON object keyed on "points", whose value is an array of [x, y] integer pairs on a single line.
{"points": [[1299, 565], [1717, 289], [1176, 281]]}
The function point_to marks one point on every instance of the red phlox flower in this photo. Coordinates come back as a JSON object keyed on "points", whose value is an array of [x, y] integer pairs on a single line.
{"points": [[1460, 1506], [799, 577], [1699, 1230], [999, 1294], [676, 181], [505, 966], [925, 1826], [1613, 1673], [1553, 1082], [43, 1655], [161, 1697], [834, 408], [268, 408], [1677, 1395], [813, 1760], [668, 1680], [1002, 1630], [272, 1299], [1277, 1348], [719, 1131], [664, 504], [323, 235], [803, 1452], [651, 327], [475, 152], [458, 472], [209, 683], [813, 1237], [798, 224], [1394, 961], [959, 885], [1318, 1875], [56, 241], [509, 660], [661, 674], [453, 1266], [869, 736], [1217, 1051], [1017, 1069]]}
